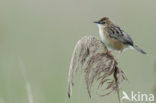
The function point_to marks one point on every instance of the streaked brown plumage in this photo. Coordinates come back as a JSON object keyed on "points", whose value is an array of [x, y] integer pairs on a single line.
{"points": [[114, 37]]}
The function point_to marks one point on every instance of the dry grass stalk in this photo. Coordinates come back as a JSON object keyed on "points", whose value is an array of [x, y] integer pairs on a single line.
{"points": [[93, 57], [28, 86]]}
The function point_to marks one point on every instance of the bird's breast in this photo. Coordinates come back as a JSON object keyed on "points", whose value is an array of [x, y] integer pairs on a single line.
{"points": [[104, 38], [111, 43]]}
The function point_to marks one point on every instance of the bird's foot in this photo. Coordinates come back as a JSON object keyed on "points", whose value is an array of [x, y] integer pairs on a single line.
{"points": [[110, 52]]}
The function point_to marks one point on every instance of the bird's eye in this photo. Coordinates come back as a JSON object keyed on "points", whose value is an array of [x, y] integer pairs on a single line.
{"points": [[103, 22]]}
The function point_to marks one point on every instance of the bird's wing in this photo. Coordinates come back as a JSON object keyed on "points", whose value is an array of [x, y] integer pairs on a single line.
{"points": [[117, 33]]}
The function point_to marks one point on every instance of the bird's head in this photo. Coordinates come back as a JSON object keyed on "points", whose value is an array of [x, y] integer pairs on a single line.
{"points": [[103, 22]]}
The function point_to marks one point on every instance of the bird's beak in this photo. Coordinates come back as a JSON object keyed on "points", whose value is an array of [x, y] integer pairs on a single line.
{"points": [[96, 22]]}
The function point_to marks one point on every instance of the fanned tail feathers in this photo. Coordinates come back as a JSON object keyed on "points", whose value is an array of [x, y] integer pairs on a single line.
{"points": [[139, 49]]}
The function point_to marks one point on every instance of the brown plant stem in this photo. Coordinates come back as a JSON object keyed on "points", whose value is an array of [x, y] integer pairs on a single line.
{"points": [[91, 55]]}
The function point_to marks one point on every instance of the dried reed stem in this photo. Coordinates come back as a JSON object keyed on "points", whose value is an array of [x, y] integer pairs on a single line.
{"points": [[97, 63], [28, 86]]}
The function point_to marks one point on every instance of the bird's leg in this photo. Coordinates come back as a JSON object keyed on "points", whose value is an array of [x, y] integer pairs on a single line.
{"points": [[109, 52], [119, 55]]}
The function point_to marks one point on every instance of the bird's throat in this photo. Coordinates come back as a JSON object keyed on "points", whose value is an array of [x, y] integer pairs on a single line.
{"points": [[101, 32]]}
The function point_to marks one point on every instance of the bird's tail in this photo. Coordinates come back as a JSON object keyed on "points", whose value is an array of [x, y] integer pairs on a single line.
{"points": [[139, 49]]}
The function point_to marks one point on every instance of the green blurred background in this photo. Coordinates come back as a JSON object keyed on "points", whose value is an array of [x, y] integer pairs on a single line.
{"points": [[42, 33]]}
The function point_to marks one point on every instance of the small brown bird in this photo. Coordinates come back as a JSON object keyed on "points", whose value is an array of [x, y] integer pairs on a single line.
{"points": [[114, 37]]}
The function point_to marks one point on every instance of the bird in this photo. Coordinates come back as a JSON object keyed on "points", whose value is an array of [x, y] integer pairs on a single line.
{"points": [[114, 37]]}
